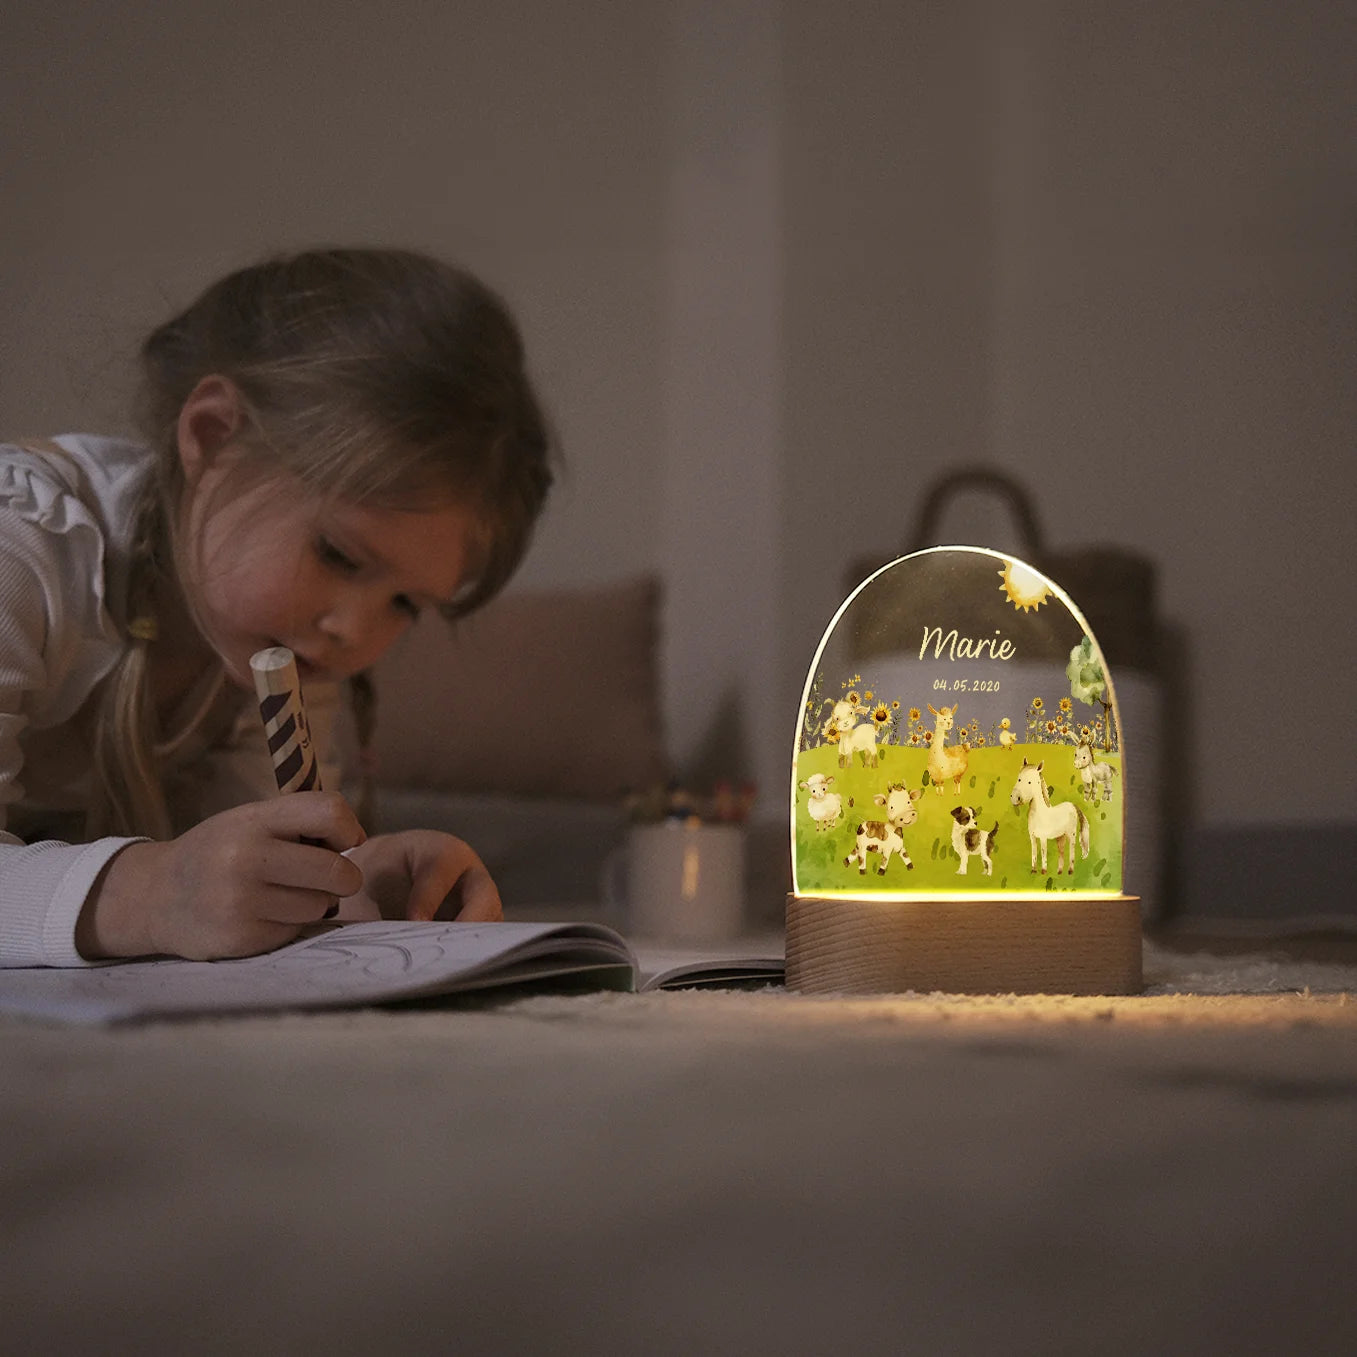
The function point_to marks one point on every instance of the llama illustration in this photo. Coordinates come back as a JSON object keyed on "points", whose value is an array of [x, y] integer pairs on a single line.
{"points": [[1064, 822], [944, 763]]}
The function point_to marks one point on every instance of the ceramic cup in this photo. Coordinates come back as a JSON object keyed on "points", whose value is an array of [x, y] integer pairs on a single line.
{"points": [[680, 883]]}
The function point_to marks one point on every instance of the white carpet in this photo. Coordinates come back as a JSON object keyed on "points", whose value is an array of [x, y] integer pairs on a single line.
{"points": [[697, 1173]]}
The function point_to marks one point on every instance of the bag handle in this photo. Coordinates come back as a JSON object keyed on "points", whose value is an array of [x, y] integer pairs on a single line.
{"points": [[978, 478]]}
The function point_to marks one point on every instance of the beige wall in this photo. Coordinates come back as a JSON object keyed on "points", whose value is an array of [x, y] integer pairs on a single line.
{"points": [[766, 255], [1113, 250], [148, 148]]}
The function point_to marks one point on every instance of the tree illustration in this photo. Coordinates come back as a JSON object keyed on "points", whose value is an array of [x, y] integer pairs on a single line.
{"points": [[1088, 683]]}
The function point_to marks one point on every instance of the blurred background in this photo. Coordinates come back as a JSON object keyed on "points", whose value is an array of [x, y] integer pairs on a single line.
{"points": [[779, 267]]}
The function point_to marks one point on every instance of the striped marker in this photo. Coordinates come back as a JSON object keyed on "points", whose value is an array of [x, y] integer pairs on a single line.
{"points": [[279, 689]]}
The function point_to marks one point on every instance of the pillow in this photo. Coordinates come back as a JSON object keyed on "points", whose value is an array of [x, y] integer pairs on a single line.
{"points": [[550, 694]]}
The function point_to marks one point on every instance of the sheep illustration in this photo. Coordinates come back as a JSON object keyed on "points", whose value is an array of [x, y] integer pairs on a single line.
{"points": [[824, 807]]}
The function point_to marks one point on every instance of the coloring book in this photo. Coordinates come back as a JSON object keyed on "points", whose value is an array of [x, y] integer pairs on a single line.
{"points": [[358, 964]]}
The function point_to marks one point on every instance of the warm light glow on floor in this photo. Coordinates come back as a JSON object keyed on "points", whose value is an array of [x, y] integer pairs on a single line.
{"points": [[1161, 1012]]}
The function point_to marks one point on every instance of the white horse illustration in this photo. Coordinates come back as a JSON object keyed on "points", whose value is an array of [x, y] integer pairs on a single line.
{"points": [[1064, 822]]}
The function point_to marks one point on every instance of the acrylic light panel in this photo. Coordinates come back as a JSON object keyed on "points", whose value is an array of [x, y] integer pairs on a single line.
{"points": [[958, 736]]}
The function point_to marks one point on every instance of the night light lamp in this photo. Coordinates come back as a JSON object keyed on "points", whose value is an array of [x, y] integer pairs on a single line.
{"points": [[958, 791]]}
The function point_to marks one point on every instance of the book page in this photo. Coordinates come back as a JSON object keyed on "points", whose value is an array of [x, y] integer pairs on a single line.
{"points": [[751, 963], [337, 966]]}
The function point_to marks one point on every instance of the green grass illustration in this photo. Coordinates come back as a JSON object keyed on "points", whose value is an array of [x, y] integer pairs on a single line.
{"points": [[988, 784]]}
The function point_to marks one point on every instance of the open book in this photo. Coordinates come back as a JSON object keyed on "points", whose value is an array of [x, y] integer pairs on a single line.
{"points": [[356, 964]]}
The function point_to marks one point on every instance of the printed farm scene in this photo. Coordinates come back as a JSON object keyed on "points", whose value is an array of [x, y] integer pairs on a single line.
{"points": [[985, 758]]}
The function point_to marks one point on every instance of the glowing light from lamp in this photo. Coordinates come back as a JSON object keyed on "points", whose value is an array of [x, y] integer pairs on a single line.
{"points": [[929, 692]]}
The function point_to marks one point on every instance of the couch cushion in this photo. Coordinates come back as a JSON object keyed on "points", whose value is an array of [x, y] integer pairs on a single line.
{"points": [[547, 693]]}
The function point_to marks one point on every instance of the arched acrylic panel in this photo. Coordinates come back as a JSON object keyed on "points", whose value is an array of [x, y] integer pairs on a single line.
{"points": [[958, 735]]}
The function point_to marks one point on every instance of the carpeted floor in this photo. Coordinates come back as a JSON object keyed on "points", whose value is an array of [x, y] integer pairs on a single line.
{"points": [[698, 1173]]}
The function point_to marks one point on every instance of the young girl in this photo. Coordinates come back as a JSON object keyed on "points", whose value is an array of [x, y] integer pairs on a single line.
{"points": [[338, 441]]}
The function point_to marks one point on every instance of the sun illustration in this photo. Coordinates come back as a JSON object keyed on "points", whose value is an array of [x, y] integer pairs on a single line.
{"points": [[1024, 587]]}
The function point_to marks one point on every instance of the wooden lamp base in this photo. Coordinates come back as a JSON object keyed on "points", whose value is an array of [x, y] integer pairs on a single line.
{"points": [[1011, 944]]}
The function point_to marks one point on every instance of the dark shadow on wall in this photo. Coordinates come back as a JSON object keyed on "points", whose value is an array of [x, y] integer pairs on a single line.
{"points": [[1177, 790], [723, 754], [1279, 873]]}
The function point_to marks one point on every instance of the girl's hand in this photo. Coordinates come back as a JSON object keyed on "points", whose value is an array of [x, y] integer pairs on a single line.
{"points": [[237, 884], [412, 874]]}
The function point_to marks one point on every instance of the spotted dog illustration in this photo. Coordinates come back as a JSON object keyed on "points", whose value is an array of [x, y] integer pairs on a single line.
{"points": [[969, 840]]}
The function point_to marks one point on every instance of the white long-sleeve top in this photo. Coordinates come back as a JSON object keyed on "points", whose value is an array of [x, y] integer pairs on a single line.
{"points": [[65, 529]]}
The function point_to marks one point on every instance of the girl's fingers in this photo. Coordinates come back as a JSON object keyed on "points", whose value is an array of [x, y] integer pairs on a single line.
{"points": [[294, 906], [312, 875], [476, 896], [304, 866], [324, 816], [423, 873], [450, 869], [480, 897]]}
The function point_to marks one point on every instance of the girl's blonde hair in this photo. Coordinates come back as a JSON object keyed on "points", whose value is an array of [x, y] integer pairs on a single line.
{"points": [[373, 375]]}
